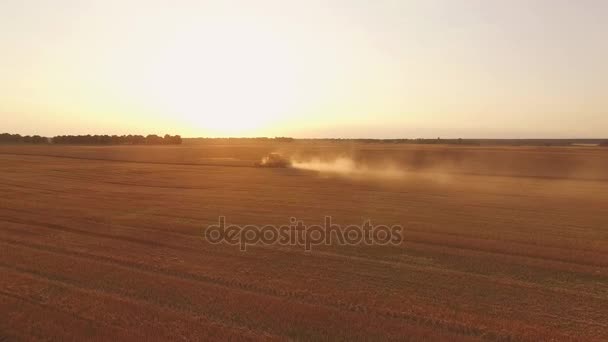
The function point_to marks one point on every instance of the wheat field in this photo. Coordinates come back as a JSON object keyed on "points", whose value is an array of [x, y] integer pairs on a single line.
{"points": [[499, 243]]}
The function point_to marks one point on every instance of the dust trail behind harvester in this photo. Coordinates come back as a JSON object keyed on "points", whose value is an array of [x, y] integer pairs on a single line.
{"points": [[344, 166]]}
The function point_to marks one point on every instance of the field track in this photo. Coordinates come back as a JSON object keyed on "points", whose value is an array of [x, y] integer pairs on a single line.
{"points": [[106, 243]]}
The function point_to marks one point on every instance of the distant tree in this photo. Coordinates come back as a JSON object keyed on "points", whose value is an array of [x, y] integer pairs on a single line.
{"points": [[139, 140], [176, 140], [153, 139], [283, 139], [36, 139], [7, 138], [172, 140]]}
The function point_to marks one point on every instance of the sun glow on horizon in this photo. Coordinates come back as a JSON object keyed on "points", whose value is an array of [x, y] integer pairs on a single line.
{"points": [[238, 83]]}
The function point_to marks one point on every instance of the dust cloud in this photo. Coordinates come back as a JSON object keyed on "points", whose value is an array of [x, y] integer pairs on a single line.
{"points": [[344, 166]]}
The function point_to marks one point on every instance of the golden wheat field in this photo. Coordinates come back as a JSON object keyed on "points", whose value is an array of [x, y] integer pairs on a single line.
{"points": [[499, 243]]}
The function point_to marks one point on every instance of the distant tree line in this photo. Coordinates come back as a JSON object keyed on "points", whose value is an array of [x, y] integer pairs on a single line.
{"points": [[151, 139], [18, 139]]}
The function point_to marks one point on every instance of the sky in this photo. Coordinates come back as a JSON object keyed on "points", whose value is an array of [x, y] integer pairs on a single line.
{"points": [[309, 68]]}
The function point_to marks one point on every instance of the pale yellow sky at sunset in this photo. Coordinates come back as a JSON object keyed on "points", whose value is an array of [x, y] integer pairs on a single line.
{"points": [[332, 68]]}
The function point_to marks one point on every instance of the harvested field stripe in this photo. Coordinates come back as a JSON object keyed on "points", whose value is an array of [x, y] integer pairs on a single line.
{"points": [[450, 326], [118, 300]]}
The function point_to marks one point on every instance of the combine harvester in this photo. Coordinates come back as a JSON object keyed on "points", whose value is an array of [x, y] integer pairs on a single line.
{"points": [[274, 160]]}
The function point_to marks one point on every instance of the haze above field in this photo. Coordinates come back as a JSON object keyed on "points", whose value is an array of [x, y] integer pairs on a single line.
{"points": [[378, 69]]}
